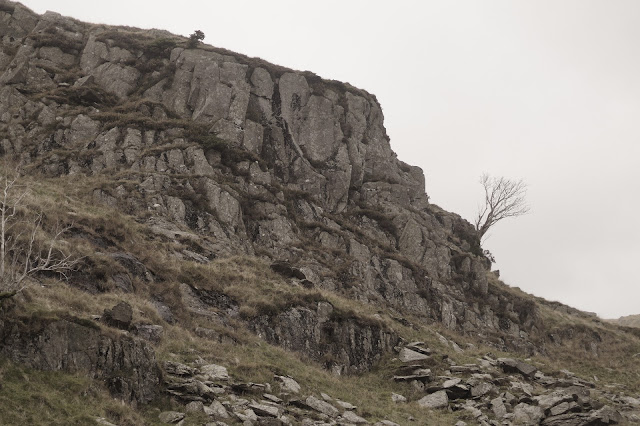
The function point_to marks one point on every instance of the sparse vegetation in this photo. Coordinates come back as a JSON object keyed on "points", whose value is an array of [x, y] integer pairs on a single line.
{"points": [[162, 244], [25, 248], [503, 198], [195, 39]]}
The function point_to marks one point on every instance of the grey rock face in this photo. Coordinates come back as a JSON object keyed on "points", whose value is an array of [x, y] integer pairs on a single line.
{"points": [[354, 345], [126, 364], [295, 160]]}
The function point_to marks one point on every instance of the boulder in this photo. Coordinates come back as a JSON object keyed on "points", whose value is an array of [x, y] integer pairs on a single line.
{"points": [[213, 373], [435, 400], [322, 406], [218, 410], [120, 316], [525, 414], [498, 408], [411, 355], [510, 365], [288, 385]]}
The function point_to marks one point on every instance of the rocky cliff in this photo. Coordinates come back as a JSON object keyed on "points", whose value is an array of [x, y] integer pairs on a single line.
{"points": [[261, 159], [220, 193]]}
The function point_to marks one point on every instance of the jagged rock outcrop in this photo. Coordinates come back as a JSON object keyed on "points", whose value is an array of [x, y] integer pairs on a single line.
{"points": [[125, 364], [258, 157], [346, 345]]}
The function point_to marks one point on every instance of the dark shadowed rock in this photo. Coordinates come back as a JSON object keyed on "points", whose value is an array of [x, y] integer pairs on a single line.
{"points": [[510, 365], [120, 316], [126, 364], [150, 332], [355, 343]]}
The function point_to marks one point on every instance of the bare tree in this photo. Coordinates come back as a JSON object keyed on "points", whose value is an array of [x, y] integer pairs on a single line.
{"points": [[503, 198], [24, 251]]}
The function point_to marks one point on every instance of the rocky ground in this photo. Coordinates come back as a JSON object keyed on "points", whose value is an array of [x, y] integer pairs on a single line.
{"points": [[502, 391], [236, 219]]}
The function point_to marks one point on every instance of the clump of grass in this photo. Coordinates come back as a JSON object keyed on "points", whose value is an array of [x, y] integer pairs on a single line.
{"points": [[83, 96], [54, 38], [132, 41]]}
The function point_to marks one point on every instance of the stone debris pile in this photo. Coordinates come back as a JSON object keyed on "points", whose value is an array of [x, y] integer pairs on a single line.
{"points": [[507, 391], [209, 389]]}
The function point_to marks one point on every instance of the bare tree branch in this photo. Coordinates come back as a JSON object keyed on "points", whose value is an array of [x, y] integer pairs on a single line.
{"points": [[503, 198], [24, 251]]}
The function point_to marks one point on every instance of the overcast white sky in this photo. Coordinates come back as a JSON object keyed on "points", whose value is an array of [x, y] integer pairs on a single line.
{"points": [[545, 90]]}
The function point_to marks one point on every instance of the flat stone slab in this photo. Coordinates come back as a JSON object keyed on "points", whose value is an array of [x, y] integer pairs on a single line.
{"points": [[435, 400], [214, 372], [510, 365], [409, 355], [265, 410], [322, 406]]}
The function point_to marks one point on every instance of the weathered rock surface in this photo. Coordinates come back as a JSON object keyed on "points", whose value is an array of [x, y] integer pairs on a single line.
{"points": [[120, 316], [257, 157], [354, 344], [435, 400], [126, 364], [229, 155]]}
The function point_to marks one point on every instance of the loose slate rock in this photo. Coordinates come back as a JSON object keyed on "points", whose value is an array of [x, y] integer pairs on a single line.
{"points": [[409, 355], [177, 369], [498, 408], [170, 417], [288, 385], [435, 400], [322, 406], [265, 410], [213, 372], [219, 410], [510, 365], [526, 414], [352, 417], [481, 389]]}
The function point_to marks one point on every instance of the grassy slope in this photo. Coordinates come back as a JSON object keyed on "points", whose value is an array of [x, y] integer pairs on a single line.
{"points": [[33, 397], [627, 321]]}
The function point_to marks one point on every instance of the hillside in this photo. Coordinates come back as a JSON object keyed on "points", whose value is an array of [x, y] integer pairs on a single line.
{"points": [[249, 250], [627, 321]]}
